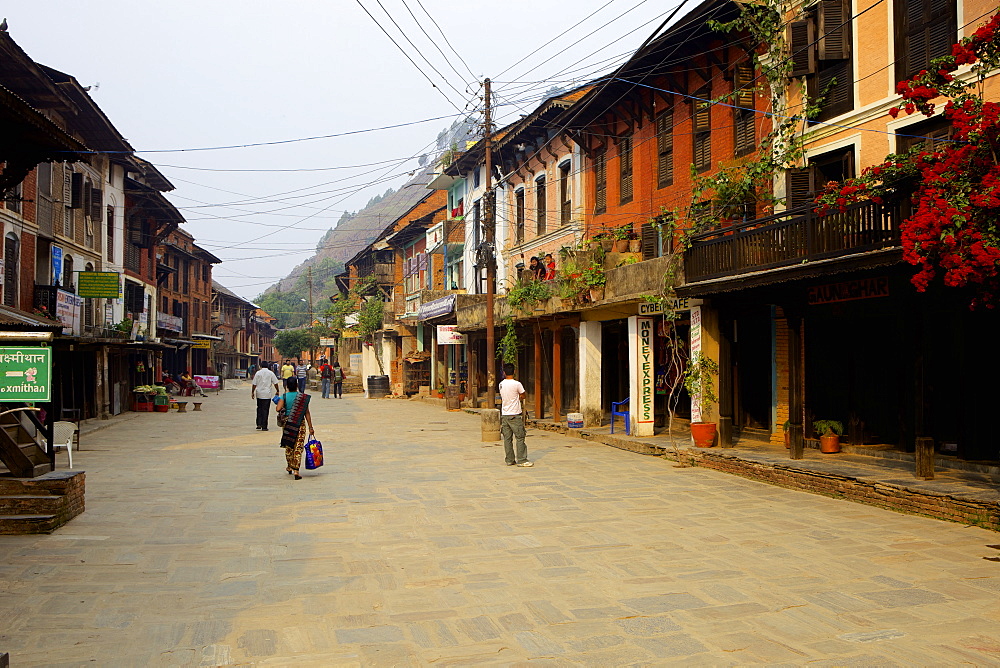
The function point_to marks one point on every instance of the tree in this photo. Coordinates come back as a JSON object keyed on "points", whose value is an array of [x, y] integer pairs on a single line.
{"points": [[291, 342], [369, 322]]}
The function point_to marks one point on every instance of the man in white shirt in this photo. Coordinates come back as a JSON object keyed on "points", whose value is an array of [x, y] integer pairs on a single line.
{"points": [[512, 419], [263, 388]]}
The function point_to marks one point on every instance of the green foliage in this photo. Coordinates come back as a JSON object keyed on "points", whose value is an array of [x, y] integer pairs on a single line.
{"points": [[593, 276], [699, 379], [509, 344], [291, 307], [524, 296], [125, 325], [828, 427], [370, 321], [292, 342]]}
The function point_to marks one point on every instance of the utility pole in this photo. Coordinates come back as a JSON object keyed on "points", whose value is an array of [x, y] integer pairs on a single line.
{"points": [[491, 266], [312, 351]]}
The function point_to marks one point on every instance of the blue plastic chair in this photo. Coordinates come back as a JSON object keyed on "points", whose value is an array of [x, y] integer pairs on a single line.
{"points": [[616, 410]]}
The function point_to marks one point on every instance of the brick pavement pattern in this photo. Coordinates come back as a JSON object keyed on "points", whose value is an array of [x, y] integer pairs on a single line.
{"points": [[415, 545]]}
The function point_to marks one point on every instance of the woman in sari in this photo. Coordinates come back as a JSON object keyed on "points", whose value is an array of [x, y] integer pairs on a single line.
{"points": [[295, 405]]}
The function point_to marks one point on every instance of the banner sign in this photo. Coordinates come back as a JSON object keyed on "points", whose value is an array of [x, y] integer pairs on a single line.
{"points": [[26, 375], [679, 304], [172, 322], [207, 382], [864, 288], [436, 308], [68, 311], [325, 342], [647, 374], [448, 335], [202, 344], [99, 284], [57, 261], [695, 353]]}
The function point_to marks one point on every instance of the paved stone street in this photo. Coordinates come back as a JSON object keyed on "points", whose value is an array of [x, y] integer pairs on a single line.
{"points": [[415, 545]]}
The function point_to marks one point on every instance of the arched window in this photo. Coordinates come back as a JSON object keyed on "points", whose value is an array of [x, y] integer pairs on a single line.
{"points": [[67, 277], [11, 254], [88, 303]]}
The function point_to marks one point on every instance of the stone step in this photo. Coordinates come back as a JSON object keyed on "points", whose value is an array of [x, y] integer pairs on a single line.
{"points": [[30, 504], [24, 524]]}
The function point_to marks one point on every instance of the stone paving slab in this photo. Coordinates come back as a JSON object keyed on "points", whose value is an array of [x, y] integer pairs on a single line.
{"points": [[416, 546]]}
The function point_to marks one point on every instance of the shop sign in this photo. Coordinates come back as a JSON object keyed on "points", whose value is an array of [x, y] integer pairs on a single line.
{"points": [[202, 344], [27, 374], [57, 263], [863, 288], [99, 284], [448, 335], [327, 342], [679, 304], [436, 308], [350, 334], [695, 352], [647, 373], [68, 307]]}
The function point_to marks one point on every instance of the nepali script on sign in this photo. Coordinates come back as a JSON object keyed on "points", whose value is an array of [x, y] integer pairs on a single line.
{"points": [[26, 374]]}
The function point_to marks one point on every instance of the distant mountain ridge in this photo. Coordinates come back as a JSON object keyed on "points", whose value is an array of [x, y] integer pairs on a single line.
{"points": [[354, 232]]}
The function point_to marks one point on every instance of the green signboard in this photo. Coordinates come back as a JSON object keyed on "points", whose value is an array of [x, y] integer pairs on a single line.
{"points": [[26, 374], [99, 284]]}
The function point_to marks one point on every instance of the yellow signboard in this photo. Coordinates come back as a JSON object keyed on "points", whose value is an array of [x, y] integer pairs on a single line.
{"points": [[99, 284], [349, 334], [202, 344]]}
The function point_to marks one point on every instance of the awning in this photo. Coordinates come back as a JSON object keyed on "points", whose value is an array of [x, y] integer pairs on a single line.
{"points": [[436, 308], [206, 336]]}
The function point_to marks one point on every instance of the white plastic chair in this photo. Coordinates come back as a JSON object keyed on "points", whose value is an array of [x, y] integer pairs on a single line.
{"points": [[63, 435]]}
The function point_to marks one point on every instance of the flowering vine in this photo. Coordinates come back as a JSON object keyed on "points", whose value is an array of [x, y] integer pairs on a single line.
{"points": [[954, 230]]}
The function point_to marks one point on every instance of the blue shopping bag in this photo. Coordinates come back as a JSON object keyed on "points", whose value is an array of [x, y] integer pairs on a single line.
{"points": [[314, 454]]}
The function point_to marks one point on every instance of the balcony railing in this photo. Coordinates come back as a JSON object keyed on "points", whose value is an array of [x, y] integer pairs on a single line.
{"points": [[790, 238]]}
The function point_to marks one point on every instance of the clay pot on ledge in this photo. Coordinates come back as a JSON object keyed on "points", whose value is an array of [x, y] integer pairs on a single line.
{"points": [[621, 245], [597, 293], [703, 434], [634, 246]]}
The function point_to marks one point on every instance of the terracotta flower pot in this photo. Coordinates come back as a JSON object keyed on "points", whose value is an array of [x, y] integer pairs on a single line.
{"points": [[829, 444], [634, 246], [788, 440], [608, 245], [621, 245], [597, 294], [703, 434]]}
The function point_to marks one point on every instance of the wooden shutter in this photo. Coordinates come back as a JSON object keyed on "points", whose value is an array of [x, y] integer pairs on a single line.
{"points": [[800, 39], [76, 196], [67, 196], [799, 186], [926, 29], [702, 117], [834, 30], [745, 126], [743, 84], [665, 149], [600, 182], [96, 203], [625, 168], [650, 238], [835, 85]]}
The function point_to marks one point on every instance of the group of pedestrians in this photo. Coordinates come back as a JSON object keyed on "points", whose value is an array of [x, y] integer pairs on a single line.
{"points": [[291, 406]]}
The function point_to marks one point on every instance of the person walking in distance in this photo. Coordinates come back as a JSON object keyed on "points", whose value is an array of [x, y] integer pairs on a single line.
{"points": [[302, 374], [338, 381], [263, 388], [512, 418], [326, 377], [287, 370]]}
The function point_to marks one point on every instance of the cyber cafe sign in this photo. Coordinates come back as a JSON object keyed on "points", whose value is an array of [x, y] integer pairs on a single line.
{"points": [[679, 304]]}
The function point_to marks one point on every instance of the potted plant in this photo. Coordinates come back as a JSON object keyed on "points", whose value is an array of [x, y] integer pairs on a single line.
{"points": [[634, 243], [604, 240], [699, 379], [593, 277], [829, 432], [621, 238], [787, 428]]}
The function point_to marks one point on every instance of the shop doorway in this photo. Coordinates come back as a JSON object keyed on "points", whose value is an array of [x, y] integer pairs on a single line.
{"points": [[752, 375]]}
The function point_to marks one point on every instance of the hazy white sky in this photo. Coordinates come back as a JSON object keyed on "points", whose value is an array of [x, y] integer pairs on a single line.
{"points": [[186, 74]]}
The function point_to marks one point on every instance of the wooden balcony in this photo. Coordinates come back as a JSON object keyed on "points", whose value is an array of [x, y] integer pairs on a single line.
{"points": [[792, 238]]}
